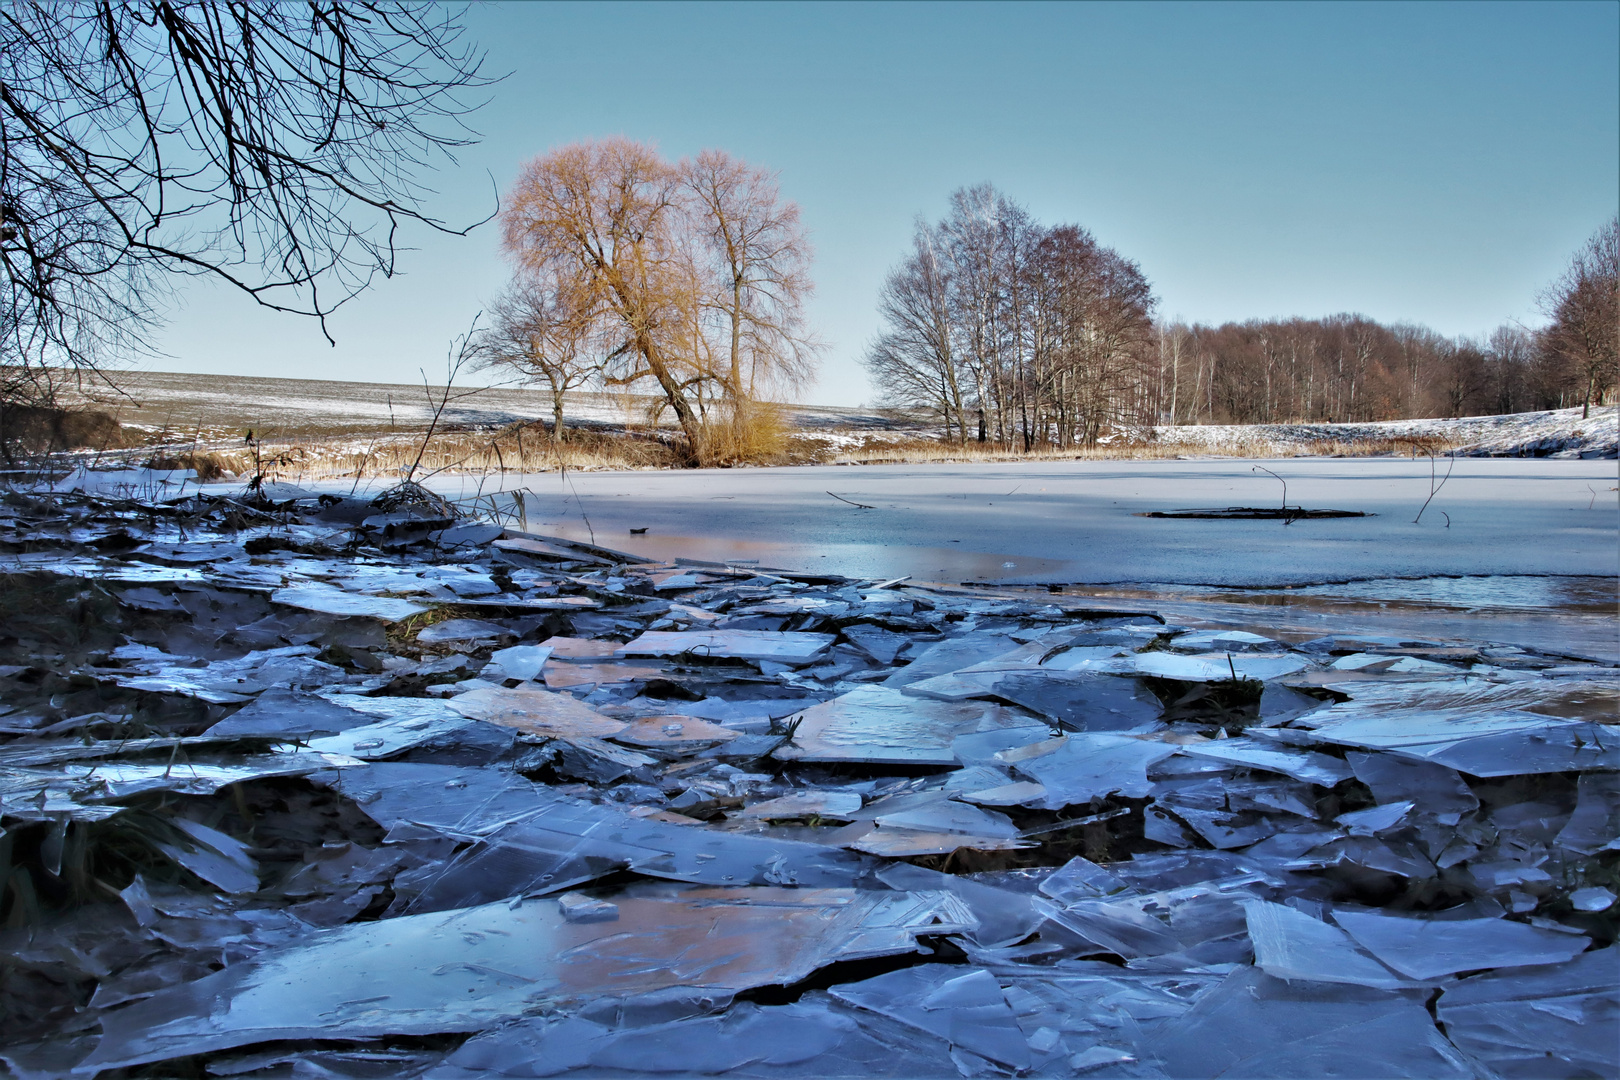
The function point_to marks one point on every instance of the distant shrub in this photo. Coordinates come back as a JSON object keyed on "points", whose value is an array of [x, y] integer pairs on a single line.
{"points": [[36, 429]]}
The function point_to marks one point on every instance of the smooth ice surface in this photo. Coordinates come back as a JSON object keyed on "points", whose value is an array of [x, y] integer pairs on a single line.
{"points": [[1076, 521], [467, 970], [1426, 948]]}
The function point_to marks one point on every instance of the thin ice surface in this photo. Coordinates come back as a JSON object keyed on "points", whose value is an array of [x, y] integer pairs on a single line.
{"points": [[782, 647], [469, 969], [880, 725], [1425, 948]]}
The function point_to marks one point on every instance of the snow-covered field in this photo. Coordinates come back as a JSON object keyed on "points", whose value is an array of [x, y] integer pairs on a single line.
{"points": [[165, 401], [1560, 433], [219, 406]]}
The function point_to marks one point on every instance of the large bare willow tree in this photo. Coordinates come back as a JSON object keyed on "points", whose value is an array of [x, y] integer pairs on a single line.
{"points": [[691, 276], [275, 147]]}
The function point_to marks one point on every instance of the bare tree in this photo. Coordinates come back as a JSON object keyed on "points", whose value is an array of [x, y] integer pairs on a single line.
{"points": [[1043, 335], [693, 275], [545, 331], [759, 261], [1584, 304], [273, 147], [914, 361]]}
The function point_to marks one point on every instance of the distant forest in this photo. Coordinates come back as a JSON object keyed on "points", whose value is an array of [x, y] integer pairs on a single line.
{"points": [[1013, 332]]}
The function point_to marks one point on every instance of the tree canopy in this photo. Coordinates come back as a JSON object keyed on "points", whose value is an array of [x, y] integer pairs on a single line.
{"points": [[275, 147]]}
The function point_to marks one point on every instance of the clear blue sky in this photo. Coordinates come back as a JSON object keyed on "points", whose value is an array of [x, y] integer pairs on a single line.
{"points": [[1433, 162]]}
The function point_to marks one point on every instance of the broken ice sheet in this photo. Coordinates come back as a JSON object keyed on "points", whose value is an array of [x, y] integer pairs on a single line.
{"points": [[675, 733], [561, 843], [965, 1007], [1004, 917], [1560, 1020], [896, 842], [813, 1037], [1595, 824], [829, 805], [881, 725], [1153, 924], [934, 811], [565, 675], [1375, 820], [783, 647], [455, 801], [1210, 667], [521, 662], [1253, 1025], [328, 600], [1220, 641], [1289, 944], [1082, 701], [1480, 743], [120, 779], [470, 969], [289, 714], [225, 681], [388, 737], [880, 644], [952, 654], [537, 712], [1434, 788], [1083, 766], [1304, 765], [1427, 948], [218, 859], [462, 630]]}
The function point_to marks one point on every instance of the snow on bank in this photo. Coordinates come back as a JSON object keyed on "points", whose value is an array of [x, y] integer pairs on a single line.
{"points": [[1559, 433]]}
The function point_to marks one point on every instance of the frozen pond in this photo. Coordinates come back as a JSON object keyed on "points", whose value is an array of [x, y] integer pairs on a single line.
{"points": [[1078, 523]]}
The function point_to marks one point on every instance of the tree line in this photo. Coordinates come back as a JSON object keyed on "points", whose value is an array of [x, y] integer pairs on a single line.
{"points": [[279, 148], [1011, 332]]}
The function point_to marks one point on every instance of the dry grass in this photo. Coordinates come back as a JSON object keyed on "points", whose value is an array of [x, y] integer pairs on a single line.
{"points": [[763, 438], [880, 450]]}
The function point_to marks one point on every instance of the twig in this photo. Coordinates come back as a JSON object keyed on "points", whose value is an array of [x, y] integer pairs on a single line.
{"points": [[1434, 489], [862, 506], [1280, 480]]}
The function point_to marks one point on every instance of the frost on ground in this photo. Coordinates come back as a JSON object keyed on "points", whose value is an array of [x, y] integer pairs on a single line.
{"points": [[1559, 433], [294, 786]]}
